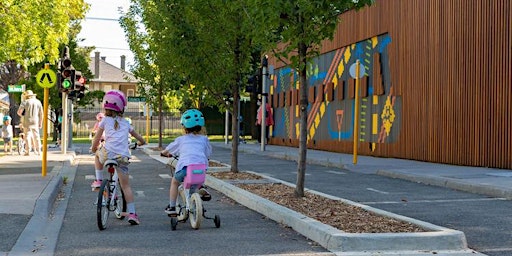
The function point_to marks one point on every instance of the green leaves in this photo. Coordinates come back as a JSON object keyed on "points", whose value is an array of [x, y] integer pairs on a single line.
{"points": [[32, 30]]}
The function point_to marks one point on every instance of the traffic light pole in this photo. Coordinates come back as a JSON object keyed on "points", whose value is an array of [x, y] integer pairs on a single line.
{"points": [[70, 123], [64, 130], [263, 106]]}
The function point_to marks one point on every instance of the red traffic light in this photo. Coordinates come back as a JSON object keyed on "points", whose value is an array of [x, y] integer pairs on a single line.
{"points": [[81, 80]]}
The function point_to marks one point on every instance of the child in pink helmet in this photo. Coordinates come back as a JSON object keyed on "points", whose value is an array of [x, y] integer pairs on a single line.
{"points": [[116, 131], [99, 117]]}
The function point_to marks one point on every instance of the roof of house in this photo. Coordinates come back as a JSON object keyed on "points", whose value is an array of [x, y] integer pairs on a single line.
{"points": [[110, 73]]}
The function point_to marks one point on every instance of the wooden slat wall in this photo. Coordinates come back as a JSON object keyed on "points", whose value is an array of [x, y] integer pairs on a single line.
{"points": [[451, 64]]}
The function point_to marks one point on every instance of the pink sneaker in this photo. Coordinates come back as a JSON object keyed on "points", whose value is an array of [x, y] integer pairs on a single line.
{"points": [[96, 184], [133, 219]]}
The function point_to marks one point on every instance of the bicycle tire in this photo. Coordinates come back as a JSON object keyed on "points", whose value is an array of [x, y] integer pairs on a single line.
{"points": [[196, 211], [120, 204], [102, 205]]}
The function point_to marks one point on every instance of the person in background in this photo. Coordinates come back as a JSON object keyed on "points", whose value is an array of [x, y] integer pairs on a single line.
{"points": [[31, 111], [7, 134], [269, 120], [99, 117]]}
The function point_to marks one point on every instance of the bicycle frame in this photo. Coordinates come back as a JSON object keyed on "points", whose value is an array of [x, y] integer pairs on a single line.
{"points": [[113, 183]]}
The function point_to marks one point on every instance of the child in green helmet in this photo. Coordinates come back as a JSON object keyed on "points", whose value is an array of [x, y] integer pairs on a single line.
{"points": [[7, 134], [192, 148]]}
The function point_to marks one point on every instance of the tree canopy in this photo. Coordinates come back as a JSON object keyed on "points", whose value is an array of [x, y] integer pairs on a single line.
{"points": [[32, 32]]}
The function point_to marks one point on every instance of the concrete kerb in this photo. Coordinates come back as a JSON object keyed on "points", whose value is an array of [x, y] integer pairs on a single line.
{"points": [[439, 238]]}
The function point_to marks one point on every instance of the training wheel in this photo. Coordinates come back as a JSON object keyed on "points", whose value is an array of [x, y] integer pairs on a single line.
{"points": [[174, 223], [216, 220]]}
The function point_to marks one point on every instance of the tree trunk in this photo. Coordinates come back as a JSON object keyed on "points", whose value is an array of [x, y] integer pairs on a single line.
{"points": [[235, 117], [303, 136]]}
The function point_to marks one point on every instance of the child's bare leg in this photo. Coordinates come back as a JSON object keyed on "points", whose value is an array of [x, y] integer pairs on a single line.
{"points": [[124, 179], [173, 190]]}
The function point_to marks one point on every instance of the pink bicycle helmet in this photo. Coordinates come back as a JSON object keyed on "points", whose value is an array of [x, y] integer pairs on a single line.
{"points": [[114, 100], [99, 116]]}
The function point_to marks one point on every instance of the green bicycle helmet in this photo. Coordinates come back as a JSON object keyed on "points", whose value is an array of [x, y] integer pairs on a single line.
{"points": [[7, 118], [192, 118]]}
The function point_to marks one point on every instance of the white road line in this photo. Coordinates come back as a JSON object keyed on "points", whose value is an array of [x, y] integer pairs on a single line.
{"points": [[378, 191], [336, 172], [165, 176], [495, 250], [93, 177], [140, 193], [307, 174], [437, 201]]}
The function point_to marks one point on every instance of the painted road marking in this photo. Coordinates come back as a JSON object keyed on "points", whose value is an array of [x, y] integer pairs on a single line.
{"points": [[165, 176], [438, 201], [336, 172], [378, 191]]}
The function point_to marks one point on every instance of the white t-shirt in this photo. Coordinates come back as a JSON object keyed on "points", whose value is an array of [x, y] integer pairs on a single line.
{"points": [[7, 131], [191, 149], [116, 140]]}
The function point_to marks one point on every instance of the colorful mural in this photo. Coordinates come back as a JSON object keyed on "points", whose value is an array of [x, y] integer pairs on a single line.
{"points": [[331, 96]]}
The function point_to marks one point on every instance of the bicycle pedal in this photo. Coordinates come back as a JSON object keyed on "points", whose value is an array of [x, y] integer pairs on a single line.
{"points": [[95, 189], [174, 215]]}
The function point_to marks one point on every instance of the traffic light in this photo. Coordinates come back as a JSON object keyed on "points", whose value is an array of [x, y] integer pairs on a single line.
{"points": [[79, 89], [79, 81], [66, 76]]}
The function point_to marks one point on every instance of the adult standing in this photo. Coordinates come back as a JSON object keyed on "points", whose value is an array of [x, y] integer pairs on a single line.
{"points": [[32, 121]]}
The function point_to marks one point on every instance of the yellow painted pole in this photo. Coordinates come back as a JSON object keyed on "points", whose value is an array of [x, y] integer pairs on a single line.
{"points": [[147, 122], [45, 127], [356, 115]]}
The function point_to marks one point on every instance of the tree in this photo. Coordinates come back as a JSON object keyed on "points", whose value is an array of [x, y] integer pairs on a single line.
{"points": [[195, 44], [301, 25], [32, 32]]}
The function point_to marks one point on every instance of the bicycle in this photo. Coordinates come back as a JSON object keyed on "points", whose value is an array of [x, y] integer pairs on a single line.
{"points": [[109, 190], [189, 204]]}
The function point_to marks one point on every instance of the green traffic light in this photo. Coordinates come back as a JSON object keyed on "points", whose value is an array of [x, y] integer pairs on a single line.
{"points": [[66, 84]]}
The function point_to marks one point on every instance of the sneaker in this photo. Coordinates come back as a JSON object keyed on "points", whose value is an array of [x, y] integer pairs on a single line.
{"points": [[96, 184], [205, 196], [133, 219], [171, 211]]}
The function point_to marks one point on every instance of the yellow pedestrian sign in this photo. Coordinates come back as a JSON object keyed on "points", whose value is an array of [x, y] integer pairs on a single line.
{"points": [[46, 78]]}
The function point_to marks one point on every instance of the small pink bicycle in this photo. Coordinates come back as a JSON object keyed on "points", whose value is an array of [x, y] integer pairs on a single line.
{"points": [[189, 204]]}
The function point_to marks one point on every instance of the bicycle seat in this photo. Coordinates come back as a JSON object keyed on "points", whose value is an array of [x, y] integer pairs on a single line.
{"points": [[110, 162]]}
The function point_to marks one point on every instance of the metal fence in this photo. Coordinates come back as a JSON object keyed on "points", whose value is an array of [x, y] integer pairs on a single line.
{"points": [[84, 119]]}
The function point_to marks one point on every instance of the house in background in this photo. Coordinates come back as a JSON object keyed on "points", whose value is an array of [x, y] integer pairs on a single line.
{"points": [[108, 77]]}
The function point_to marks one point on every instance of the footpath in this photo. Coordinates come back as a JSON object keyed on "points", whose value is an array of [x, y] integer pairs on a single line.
{"points": [[26, 204]]}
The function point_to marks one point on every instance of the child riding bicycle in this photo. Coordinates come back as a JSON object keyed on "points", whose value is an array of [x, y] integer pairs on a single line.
{"points": [[192, 148], [116, 131]]}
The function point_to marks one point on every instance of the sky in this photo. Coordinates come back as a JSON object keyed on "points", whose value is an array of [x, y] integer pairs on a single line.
{"points": [[101, 29]]}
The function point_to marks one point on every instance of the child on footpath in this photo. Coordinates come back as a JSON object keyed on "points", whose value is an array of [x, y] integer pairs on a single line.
{"points": [[116, 131], [7, 134], [191, 148]]}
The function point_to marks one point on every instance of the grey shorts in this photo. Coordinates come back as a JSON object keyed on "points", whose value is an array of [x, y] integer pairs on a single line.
{"points": [[122, 162]]}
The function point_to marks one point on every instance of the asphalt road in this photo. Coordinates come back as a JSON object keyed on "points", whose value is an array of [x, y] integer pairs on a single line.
{"points": [[486, 221], [242, 231]]}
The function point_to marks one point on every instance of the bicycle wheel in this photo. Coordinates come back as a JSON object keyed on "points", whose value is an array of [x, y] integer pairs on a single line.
{"points": [[181, 205], [102, 205], [196, 211], [120, 203]]}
